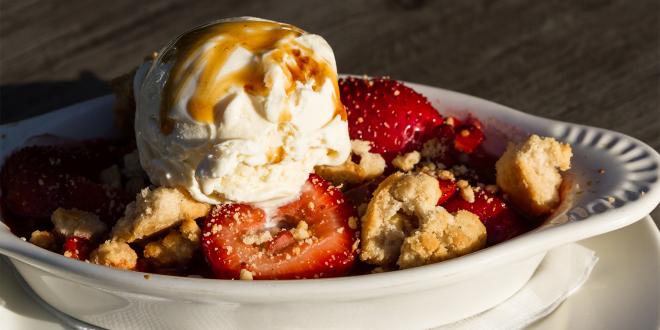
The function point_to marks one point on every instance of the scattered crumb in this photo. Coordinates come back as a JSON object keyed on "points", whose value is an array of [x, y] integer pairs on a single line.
{"points": [[45, 240], [176, 249], [466, 191], [257, 239], [445, 175], [407, 161], [73, 222], [301, 232], [370, 166], [246, 275], [352, 222]]}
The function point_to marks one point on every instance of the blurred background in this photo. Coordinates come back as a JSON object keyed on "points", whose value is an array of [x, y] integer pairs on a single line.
{"points": [[594, 62]]}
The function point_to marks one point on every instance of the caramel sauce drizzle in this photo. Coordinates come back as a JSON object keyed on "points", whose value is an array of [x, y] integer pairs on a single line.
{"points": [[206, 50]]}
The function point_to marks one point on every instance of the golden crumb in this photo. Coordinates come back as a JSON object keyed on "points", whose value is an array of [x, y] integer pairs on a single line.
{"points": [[301, 231], [442, 236], [406, 162], [246, 275], [45, 240], [176, 249], [352, 223], [114, 254], [466, 191], [257, 238], [446, 175], [370, 166], [529, 173]]}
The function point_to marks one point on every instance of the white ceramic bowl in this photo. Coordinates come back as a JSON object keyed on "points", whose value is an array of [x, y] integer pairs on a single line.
{"points": [[421, 297]]}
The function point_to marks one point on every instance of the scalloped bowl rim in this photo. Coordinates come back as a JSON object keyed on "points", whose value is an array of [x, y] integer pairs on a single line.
{"points": [[518, 248]]}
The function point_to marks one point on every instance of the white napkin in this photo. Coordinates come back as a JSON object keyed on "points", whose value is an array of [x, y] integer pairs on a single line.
{"points": [[562, 272]]}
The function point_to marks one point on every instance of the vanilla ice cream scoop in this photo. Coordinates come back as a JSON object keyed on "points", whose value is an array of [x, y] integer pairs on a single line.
{"points": [[240, 110]]}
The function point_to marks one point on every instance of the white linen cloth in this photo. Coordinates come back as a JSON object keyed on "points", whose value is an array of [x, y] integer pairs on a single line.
{"points": [[562, 272]]}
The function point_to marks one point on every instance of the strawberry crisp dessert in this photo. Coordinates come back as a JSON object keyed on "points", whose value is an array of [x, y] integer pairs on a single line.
{"points": [[244, 156]]}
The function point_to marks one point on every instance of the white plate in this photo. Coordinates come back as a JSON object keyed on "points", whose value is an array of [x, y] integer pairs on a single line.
{"points": [[622, 292]]}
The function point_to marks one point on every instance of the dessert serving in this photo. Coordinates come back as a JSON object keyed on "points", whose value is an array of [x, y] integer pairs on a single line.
{"points": [[246, 157], [236, 152]]}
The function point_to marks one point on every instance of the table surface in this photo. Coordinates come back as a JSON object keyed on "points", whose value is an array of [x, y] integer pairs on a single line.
{"points": [[594, 62]]}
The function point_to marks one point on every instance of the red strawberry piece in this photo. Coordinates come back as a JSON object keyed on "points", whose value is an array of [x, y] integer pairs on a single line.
{"points": [[482, 164], [468, 137], [77, 248], [448, 188], [392, 116], [362, 194], [83, 194], [30, 183], [444, 136], [502, 222], [36, 180], [229, 231]]}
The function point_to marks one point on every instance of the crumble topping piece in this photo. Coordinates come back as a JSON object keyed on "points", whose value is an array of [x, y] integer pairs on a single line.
{"points": [[446, 175], [353, 223], [370, 166], [77, 223], [529, 173], [466, 191], [442, 236], [403, 225], [257, 239], [177, 248], [301, 231], [383, 226], [246, 275], [44, 239], [114, 254], [407, 161], [154, 211]]}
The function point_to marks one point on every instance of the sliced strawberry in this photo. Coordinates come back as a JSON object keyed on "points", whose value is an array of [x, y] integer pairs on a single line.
{"points": [[392, 116], [230, 230], [448, 188], [502, 222], [77, 248]]}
